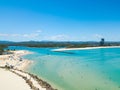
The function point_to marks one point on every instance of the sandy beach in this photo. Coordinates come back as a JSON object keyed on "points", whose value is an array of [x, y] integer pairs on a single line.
{"points": [[15, 60], [11, 81], [66, 49], [16, 78]]}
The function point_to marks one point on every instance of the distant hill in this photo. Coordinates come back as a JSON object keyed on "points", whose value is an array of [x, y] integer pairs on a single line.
{"points": [[6, 42], [58, 43]]}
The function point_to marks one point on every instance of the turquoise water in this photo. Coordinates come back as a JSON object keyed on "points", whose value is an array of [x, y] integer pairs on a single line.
{"points": [[94, 69]]}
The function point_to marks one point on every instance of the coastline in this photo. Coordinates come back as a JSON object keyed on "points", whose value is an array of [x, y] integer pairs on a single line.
{"points": [[15, 60], [17, 65], [67, 49]]}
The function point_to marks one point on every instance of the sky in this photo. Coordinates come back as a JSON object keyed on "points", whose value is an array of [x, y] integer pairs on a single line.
{"points": [[59, 20]]}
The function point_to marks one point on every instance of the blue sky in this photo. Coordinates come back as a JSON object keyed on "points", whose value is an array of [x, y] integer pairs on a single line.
{"points": [[61, 20]]}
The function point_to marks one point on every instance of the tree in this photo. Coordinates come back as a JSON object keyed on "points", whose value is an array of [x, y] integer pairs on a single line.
{"points": [[2, 49]]}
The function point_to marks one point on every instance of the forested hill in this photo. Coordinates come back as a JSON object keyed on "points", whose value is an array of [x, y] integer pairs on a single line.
{"points": [[58, 44]]}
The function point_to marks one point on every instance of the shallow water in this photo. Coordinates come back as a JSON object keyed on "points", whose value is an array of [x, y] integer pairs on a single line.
{"points": [[94, 69]]}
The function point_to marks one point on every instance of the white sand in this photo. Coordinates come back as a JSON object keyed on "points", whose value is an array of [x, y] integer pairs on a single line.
{"points": [[15, 60], [66, 49], [10, 81], [35, 83]]}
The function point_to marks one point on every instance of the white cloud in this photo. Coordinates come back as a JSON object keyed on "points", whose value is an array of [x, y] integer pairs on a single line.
{"points": [[35, 35], [59, 37], [14, 35], [39, 31], [98, 36], [3, 35], [10, 35], [30, 35]]}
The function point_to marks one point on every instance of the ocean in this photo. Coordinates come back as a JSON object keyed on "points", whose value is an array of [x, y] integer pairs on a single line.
{"points": [[89, 69]]}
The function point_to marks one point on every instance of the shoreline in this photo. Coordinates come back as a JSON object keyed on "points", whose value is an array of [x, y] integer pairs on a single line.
{"points": [[17, 65], [85, 48], [15, 60]]}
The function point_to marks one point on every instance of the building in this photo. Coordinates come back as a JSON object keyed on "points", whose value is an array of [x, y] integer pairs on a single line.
{"points": [[102, 42]]}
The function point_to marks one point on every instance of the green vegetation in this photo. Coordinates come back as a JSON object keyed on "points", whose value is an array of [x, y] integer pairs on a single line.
{"points": [[2, 48], [53, 44], [47, 44]]}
